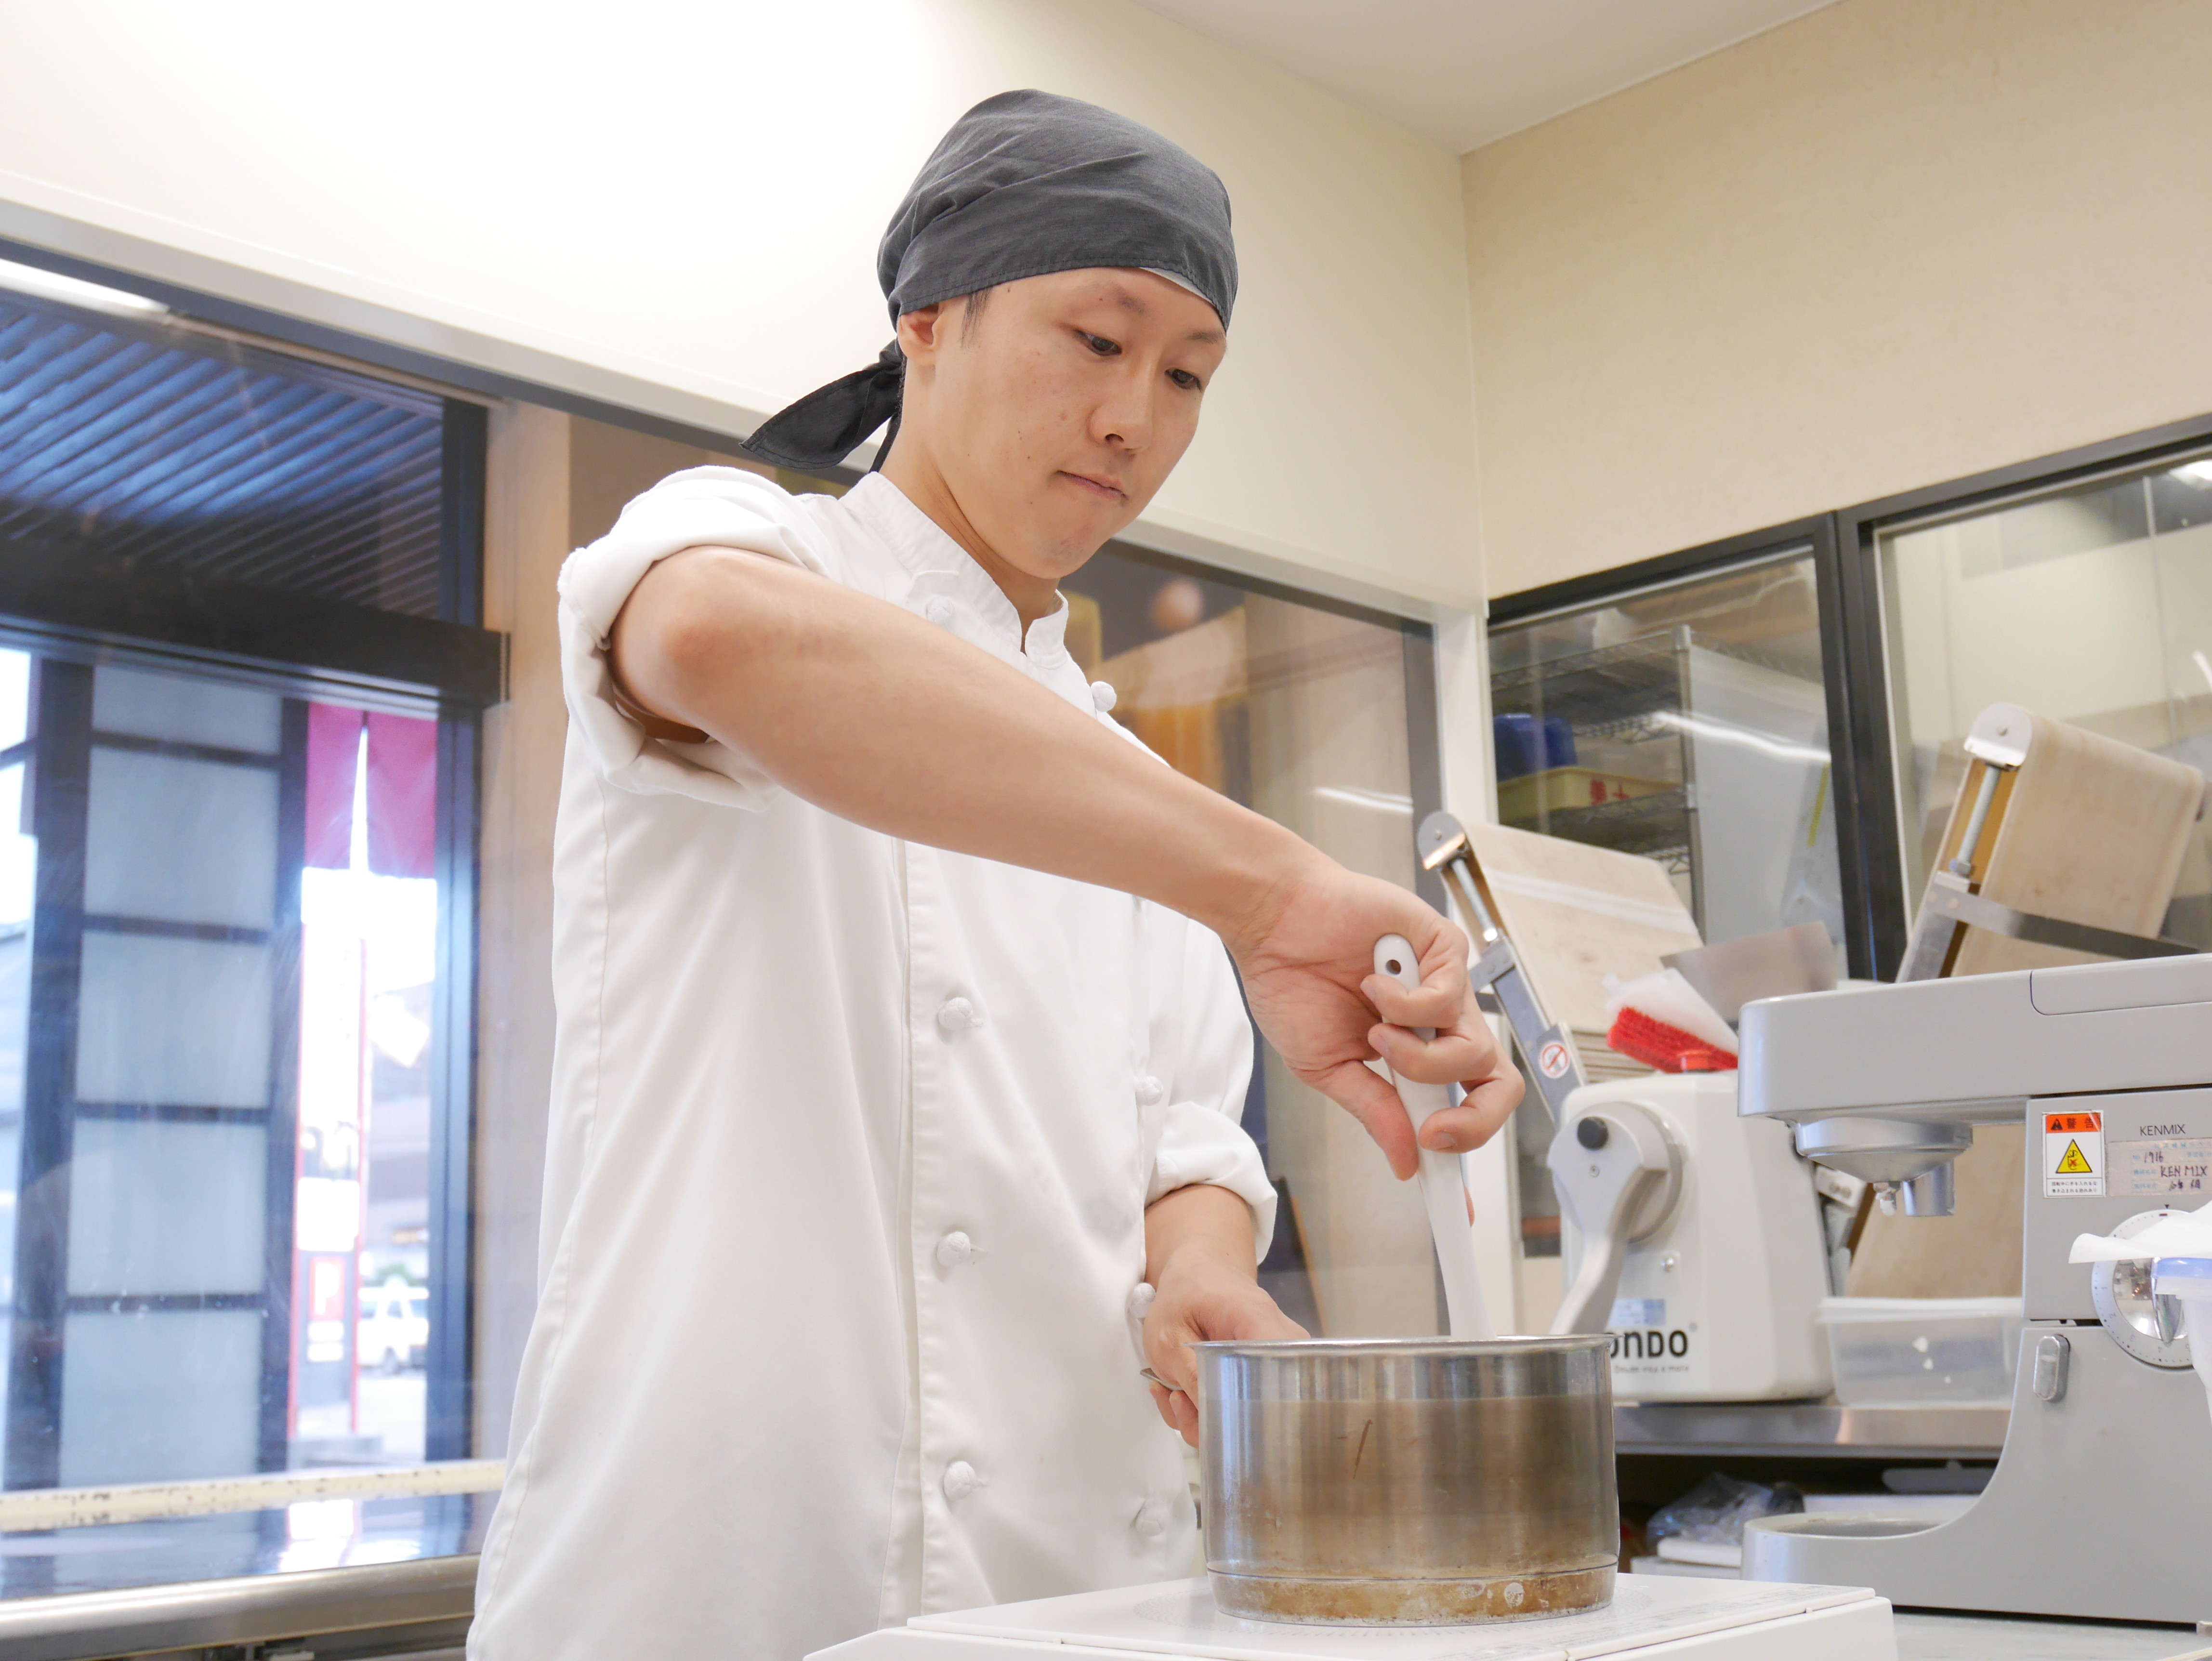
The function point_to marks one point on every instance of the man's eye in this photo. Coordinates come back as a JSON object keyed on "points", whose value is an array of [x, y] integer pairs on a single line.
{"points": [[1100, 344], [1184, 379]]}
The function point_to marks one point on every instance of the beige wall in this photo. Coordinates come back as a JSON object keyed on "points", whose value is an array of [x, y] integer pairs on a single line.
{"points": [[676, 208], [1890, 243]]}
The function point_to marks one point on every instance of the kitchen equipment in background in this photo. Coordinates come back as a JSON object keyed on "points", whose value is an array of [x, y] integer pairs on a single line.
{"points": [[1697, 713], [1525, 744], [1573, 915], [1443, 1180], [2062, 845], [1676, 1620], [2109, 1067], [1662, 1021], [1799, 959], [1656, 1176], [1889, 1352], [1408, 1482], [1498, 970], [1706, 1267]]}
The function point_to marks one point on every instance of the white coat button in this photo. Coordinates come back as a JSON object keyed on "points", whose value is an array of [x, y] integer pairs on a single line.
{"points": [[1102, 694], [1151, 1520], [1150, 1091], [954, 1249], [956, 1015], [1140, 1300], [938, 610], [961, 1480]]}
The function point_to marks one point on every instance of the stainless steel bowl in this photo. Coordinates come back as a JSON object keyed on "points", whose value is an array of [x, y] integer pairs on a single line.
{"points": [[1408, 1482]]}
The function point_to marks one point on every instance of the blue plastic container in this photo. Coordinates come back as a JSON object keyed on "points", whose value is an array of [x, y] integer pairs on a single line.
{"points": [[1526, 745]]}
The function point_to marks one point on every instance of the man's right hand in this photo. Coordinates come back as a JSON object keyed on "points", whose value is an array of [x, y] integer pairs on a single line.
{"points": [[1308, 958]]}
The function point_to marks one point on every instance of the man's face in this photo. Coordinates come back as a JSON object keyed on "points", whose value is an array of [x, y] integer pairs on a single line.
{"points": [[1055, 417]]}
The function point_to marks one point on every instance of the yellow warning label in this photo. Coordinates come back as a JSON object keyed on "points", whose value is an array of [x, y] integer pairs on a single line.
{"points": [[2073, 1154]]}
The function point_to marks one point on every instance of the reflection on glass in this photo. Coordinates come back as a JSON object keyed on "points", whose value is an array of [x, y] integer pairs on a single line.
{"points": [[18, 874], [2091, 605], [1687, 724], [214, 1076], [1299, 711], [369, 916]]}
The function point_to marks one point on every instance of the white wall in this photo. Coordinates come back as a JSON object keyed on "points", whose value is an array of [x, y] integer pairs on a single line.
{"points": [[1890, 243], [675, 204]]}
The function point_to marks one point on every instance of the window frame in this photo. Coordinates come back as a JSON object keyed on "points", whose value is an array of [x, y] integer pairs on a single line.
{"points": [[449, 668], [1815, 538], [1859, 533]]}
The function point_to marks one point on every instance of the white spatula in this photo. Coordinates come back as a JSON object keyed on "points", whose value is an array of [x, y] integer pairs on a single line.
{"points": [[1444, 1186]]}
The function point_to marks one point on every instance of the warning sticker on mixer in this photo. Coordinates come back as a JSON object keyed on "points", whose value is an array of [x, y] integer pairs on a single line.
{"points": [[2164, 1165], [2073, 1154], [1552, 1059]]}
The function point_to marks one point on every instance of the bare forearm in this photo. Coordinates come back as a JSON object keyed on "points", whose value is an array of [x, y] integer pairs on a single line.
{"points": [[869, 712], [1201, 1221]]}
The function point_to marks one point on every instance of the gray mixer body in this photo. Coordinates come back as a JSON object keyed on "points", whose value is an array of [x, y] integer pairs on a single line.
{"points": [[2094, 1507]]}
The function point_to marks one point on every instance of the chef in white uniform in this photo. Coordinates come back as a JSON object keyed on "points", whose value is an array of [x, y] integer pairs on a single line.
{"points": [[900, 1060]]}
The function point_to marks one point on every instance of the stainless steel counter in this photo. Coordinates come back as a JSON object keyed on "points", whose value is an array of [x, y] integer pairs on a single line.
{"points": [[1803, 1429]]}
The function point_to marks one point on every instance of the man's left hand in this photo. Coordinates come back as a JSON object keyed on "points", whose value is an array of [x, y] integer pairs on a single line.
{"points": [[1198, 1241]]}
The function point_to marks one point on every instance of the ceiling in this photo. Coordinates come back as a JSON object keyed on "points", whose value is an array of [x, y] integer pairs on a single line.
{"points": [[1464, 72]]}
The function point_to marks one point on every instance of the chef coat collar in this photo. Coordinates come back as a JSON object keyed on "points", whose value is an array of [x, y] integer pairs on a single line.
{"points": [[941, 566]]}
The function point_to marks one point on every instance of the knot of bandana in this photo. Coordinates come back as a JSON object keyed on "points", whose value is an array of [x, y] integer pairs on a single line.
{"points": [[829, 424]]}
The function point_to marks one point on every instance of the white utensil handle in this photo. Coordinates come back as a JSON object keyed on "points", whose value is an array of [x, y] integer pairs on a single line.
{"points": [[1443, 1184]]}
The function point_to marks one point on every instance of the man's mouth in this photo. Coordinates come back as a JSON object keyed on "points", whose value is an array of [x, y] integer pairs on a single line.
{"points": [[1104, 489]]}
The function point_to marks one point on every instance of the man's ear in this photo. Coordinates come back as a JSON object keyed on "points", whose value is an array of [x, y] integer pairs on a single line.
{"points": [[922, 333]]}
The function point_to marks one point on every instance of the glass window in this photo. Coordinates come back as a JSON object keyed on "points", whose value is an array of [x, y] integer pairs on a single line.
{"points": [[1687, 722], [2092, 605], [216, 969], [1323, 719], [235, 962]]}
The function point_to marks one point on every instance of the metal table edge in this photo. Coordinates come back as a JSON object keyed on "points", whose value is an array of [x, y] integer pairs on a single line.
{"points": [[248, 1608]]}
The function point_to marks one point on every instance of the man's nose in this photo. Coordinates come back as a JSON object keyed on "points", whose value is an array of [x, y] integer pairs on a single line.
{"points": [[1124, 420]]}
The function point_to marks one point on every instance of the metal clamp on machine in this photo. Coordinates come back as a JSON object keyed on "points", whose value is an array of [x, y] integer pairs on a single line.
{"points": [[1697, 1314]]}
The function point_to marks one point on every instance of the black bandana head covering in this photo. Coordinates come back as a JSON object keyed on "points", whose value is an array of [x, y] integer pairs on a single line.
{"points": [[1025, 184]]}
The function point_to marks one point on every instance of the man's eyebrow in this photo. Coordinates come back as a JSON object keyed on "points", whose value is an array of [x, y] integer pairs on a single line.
{"points": [[1134, 303]]}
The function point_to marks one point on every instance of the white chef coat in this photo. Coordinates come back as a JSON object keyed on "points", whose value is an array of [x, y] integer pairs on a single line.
{"points": [[850, 1146]]}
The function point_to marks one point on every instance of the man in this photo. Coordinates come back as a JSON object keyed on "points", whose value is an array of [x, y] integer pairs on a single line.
{"points": [[897, 1048]]}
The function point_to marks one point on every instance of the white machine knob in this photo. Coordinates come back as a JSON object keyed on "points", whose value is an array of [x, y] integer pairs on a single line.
{"points": [[1610, 1165]]}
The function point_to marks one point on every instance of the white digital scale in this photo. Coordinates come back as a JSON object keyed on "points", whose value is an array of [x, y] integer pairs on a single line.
{"points": [[1651, 1618]]}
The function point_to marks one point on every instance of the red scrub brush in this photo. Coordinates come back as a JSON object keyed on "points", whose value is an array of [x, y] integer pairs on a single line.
{"points": [[1660, 1021]]}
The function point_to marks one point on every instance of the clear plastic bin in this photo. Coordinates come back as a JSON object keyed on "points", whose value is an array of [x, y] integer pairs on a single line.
{"points": [[1893, 1351]]}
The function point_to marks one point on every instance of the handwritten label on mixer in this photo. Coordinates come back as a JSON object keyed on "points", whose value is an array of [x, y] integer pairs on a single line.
{"points": [[2178, 1166], [2073, 1154]]}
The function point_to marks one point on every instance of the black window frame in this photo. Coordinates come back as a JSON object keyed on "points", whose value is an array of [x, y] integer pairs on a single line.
{"points": [[1846, 547], [1859, 531]]}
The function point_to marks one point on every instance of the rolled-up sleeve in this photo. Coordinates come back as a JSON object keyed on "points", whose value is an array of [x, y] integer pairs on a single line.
{"points": [[704, 506], [1202, 1046]]}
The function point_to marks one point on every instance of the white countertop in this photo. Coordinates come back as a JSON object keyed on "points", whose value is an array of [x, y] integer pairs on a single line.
{"points": [[1931, 1637]]}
